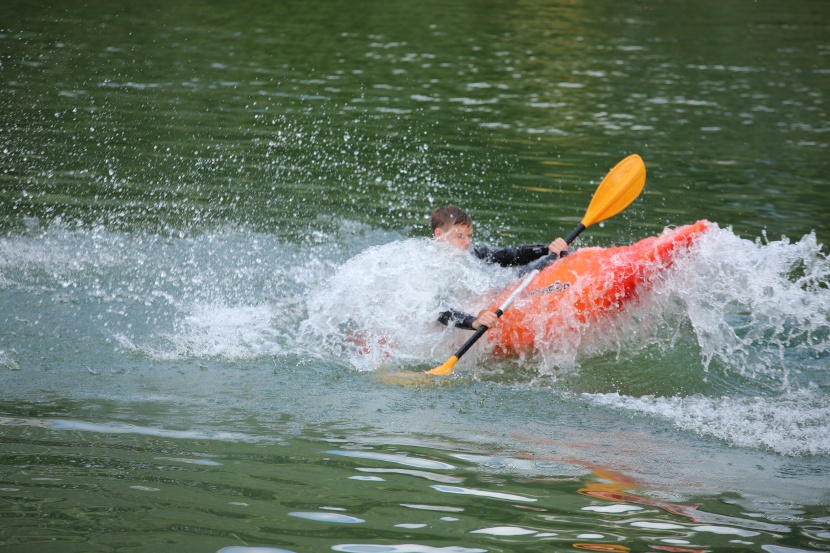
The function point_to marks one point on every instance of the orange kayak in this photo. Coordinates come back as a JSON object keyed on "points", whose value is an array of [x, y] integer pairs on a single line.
{"points": [[585, 286]]}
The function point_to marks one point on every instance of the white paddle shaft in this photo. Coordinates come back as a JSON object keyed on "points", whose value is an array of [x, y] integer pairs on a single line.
{"points": [[525, 283]]}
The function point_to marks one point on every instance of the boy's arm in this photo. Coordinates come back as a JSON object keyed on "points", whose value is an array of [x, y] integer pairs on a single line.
{"points": [[457, 318], [467, 321], [521, 255], [512, 257]]}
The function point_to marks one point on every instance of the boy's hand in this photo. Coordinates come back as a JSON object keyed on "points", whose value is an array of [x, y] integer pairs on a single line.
{"points": [[485, 318], [558, 246]]}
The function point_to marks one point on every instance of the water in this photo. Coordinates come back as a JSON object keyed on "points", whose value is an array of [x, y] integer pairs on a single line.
{"points": [[199, 202]]}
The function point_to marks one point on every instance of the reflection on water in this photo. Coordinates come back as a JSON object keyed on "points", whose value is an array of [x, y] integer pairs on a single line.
{"points": [[241, 496]]}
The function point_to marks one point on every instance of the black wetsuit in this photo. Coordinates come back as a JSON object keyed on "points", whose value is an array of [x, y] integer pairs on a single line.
{"points": [[506, 257]]}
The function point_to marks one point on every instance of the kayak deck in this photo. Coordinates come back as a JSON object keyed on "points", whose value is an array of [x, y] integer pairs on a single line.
{"points": [[586, 285]]}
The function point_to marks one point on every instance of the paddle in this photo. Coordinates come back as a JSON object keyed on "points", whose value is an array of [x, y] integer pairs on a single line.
{"points": [[616, 192]]}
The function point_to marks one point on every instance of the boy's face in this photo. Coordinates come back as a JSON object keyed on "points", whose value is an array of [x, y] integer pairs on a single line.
{"points": [[460, 236]]}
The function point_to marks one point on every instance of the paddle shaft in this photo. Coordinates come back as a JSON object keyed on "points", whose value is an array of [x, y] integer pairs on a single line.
{"points": [[549, 258], [576, 232], [525, 283], [499, 312]]}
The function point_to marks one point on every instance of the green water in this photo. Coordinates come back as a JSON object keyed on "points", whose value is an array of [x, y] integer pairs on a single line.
{"points": [[195, 114], [177, 178]]}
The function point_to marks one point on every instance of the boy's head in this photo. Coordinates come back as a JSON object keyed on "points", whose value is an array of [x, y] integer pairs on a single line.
{"points": [[452, 224]]}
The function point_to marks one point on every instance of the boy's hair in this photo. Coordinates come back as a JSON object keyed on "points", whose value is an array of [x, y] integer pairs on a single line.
{"points": [[449, 215]]}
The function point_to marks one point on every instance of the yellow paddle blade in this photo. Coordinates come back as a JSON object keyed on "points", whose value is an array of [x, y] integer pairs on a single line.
{"points": [[446, 368], [617, 190]]}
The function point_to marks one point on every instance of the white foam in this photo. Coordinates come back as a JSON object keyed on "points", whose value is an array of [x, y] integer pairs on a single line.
{"points": [[385, 302], [241, 332], [760, 314], [226, 293], [754, 304], [791, 424]]}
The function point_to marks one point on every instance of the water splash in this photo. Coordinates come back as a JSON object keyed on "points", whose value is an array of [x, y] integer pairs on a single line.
{"points": [[382, 306], [755, 312], [746, 322], [227, 293], [795, 423], [759, 313], [758, 308]]}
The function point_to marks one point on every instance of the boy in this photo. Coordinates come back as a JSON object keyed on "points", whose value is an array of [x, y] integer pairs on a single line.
{"points": [[453, 225]]}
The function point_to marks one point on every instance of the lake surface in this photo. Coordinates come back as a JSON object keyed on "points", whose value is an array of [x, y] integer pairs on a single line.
{"points": [[196, 197]]}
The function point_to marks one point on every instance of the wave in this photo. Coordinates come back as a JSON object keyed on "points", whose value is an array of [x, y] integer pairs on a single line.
{"points": [[793, 423], [732, 343]]}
